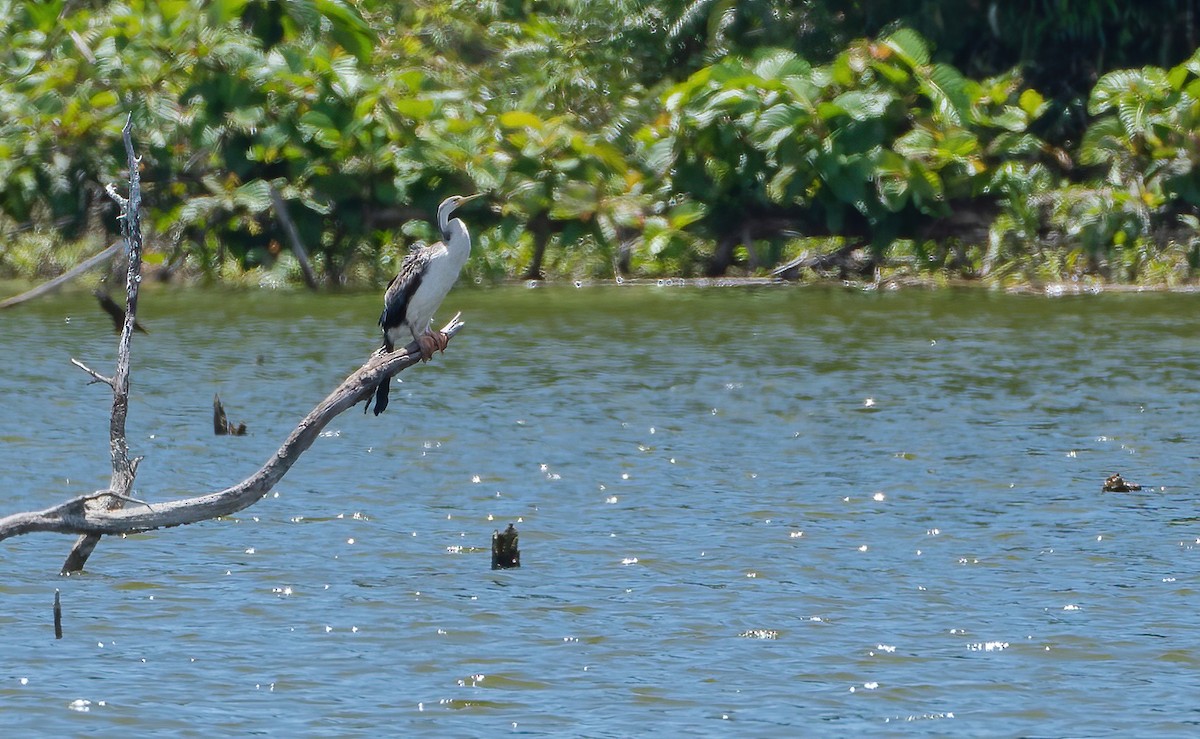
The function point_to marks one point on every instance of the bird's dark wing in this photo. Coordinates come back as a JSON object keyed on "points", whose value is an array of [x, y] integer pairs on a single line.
{"points": [[402, 287]]}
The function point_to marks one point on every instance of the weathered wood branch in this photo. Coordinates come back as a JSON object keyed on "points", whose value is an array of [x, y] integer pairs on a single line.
{"points": [[75, 516], [65, 277], [97, 377], [123, 470]]}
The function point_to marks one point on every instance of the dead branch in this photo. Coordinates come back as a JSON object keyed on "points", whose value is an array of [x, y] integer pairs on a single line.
{"points": [[67, 276], [121, 484], [102, 513], [75, 516], [97, 377], [293, 237]]}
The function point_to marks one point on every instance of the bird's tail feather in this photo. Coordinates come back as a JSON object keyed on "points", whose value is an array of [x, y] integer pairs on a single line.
{"points": [[381, 396]]}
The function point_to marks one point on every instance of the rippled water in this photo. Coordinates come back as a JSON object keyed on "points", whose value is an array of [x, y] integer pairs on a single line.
{"points": [[761, 512]]}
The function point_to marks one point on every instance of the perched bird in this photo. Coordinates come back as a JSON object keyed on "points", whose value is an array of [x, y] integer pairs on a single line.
{"points": [[413, 295]]}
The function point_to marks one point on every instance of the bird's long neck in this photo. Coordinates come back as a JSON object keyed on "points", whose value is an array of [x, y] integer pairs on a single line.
{"points": [[457, 240]]}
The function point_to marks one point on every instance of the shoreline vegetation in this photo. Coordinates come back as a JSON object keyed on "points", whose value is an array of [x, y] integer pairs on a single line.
{"points": [[1022, 149]]}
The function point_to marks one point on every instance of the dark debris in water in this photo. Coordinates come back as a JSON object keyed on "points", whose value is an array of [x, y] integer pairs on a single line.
{"points": [[505, 554], [1116, 484]]}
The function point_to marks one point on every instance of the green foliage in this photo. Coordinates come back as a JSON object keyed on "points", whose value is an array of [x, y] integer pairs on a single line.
{"points": [[613, 136], [874, 143]]}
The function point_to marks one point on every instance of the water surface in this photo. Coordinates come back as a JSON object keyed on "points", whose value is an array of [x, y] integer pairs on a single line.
{"points": [[759, 512]]}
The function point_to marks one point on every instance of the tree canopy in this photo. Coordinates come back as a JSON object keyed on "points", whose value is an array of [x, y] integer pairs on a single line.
{"points": [[616, 136]]}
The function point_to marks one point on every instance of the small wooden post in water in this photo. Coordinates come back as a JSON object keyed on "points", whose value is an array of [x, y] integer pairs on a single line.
{"points": [[57, 616], [505, 554]]}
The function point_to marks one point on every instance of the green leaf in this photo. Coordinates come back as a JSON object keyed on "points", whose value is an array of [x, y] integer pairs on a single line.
{"points": [[254, 196], [319, 127], [1102, 140], [660, 157], [1125, 85], [909, 46], [520, 119], [43, 15], [893, 193], [776, 124], [348, 28], [776, 64], [861, 105], [946, 89], [685, 214]]}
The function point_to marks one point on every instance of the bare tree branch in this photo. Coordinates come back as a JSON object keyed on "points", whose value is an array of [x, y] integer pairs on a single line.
{"points": [[102, 513], [98, 377], [67, 276], [293, 237], [75, 516], [123, 470]]}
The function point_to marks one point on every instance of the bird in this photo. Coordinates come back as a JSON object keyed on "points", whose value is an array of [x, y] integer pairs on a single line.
{"points": [[414, 294]]}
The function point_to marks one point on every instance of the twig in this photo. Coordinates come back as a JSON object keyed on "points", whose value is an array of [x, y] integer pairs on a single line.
{"points": [[98, 377], [122, 203], [110, 494]]}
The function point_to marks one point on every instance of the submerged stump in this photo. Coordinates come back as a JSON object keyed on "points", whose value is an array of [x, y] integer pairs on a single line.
{"points": [[222, 426], [505, 554]]}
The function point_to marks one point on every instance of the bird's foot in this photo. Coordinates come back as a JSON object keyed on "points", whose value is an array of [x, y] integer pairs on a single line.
{"points": [[432, 341], [429, 344]]}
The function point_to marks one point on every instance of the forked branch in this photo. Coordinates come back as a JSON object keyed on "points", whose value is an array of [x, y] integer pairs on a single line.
{"points": [[102, 512], [75, 516]]}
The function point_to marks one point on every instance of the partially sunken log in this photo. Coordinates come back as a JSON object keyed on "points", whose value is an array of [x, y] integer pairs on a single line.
{"points": [[505, 554], [222, 426]]}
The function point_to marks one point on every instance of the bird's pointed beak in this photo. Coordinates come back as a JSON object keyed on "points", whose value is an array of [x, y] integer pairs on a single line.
{"points": [[469, 198]]}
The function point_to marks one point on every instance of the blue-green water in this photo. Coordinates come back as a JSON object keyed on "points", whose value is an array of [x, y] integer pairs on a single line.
{"points": [[769, 512]]}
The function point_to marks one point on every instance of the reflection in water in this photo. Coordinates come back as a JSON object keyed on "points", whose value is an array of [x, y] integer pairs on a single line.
{"points": [[776, 508]]}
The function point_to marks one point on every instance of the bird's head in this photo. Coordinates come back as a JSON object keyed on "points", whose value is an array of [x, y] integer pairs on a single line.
{"points": [[452, 203]]}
